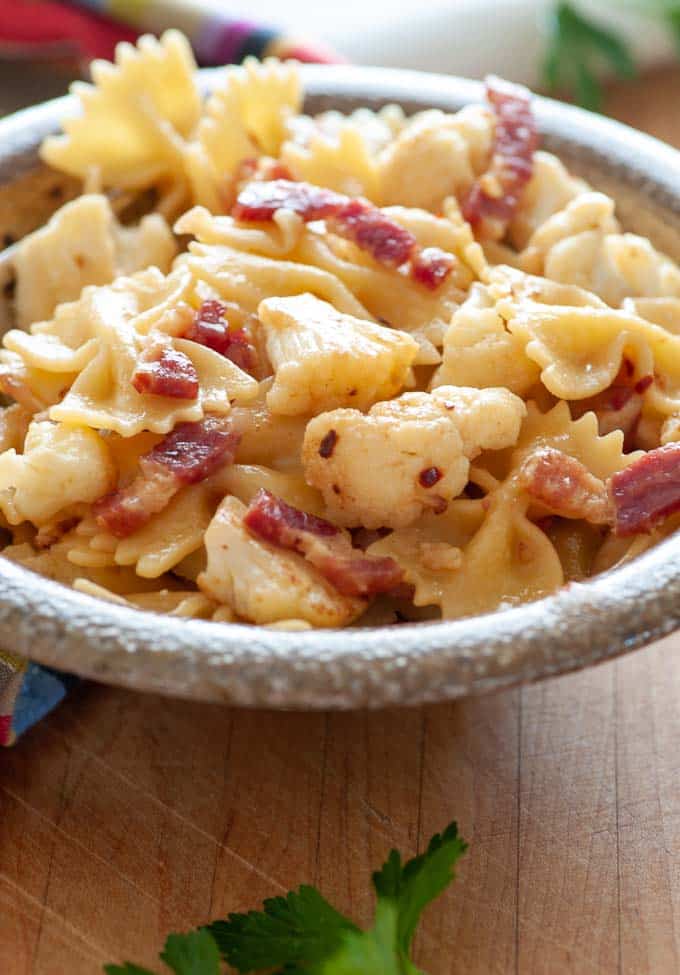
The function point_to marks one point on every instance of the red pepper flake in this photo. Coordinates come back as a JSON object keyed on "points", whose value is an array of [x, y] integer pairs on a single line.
{"points": [[166, 372], [429, 477], [643, 384], [211, 329], [431, 266], [327, 445]]}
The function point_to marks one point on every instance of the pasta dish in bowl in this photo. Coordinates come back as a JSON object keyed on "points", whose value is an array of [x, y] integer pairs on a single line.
{"points": [[371, 362]]}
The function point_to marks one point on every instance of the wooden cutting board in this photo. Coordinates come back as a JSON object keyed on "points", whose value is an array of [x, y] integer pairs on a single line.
{"points": [[125, 816]]}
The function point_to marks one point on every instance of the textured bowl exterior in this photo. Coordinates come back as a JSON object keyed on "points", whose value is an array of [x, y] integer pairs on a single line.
{"points": [[411, 663]]}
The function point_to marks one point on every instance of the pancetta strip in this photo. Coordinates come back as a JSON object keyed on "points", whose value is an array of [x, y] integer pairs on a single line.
{"points": [[192, 452], [357, 220], [647, 491], [211, 329], [164, 371], [493, 199], [565, 486], [323, 545], [431, 266], [372, 231]]}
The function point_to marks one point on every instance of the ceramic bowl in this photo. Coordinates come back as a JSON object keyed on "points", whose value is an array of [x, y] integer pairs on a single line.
{"points": [[406, 664]]}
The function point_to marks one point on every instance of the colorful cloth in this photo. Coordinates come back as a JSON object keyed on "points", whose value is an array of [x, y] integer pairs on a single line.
{"points": [[27, 693], [85, 29]]}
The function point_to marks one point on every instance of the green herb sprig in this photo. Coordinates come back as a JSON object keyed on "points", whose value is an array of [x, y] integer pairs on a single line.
{"points": [[579, 48], [302, 934]]}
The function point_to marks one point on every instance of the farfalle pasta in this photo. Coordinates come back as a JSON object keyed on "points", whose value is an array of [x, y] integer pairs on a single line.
{"points": [[342, 370]]}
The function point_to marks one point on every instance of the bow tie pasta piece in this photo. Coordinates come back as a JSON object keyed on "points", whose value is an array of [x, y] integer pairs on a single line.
{"points": [[344, 163], [269, 94], [614, 266], [510, 287], [264, 584], [134, 117], [83, 244], [508, 561], [247, 115], [418, 444], [468, 561], [56, 563], [589, 212], [601, 455], [430, 550], [341, 151], [171, 535], [325, 359], [142, 122], [249, 278], [60, 466], [549, 190], [275, 239], [35, 389], [560, 340], [103, 395]]}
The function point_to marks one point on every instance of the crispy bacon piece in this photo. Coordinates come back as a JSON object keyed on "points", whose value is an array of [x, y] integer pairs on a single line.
{"points": [[431, 266], [372, 231], [647, 491], [323, 545], [259, 200], [565, 485], [211, 328], [192, 452], [493, 199], [164, 371], [356, 220], [281, 524]]}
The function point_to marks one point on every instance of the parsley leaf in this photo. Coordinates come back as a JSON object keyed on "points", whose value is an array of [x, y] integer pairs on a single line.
{"points": [[373, 951], [577, 48], [302, 934], [301, 928], [185, 954], [421, 880]]}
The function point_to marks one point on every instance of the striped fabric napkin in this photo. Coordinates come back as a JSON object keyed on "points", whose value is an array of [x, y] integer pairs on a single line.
{"points": [[77, 32]]}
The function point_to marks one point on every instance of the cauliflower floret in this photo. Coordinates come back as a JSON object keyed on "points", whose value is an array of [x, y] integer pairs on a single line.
{"points": [[487, 419], [61, 465], [323, 358], [479, 349], [264, 584], [549, 190], [384, 468]]}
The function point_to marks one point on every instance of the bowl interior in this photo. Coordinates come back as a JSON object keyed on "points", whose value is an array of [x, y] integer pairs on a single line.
{"points": [[406, 664]]}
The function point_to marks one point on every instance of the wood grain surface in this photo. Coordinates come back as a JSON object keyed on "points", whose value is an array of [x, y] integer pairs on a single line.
{"points": [[125, 816]]}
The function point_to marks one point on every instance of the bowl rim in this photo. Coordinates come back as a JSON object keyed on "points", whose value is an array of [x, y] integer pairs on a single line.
{"points": [[410, 663]]}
